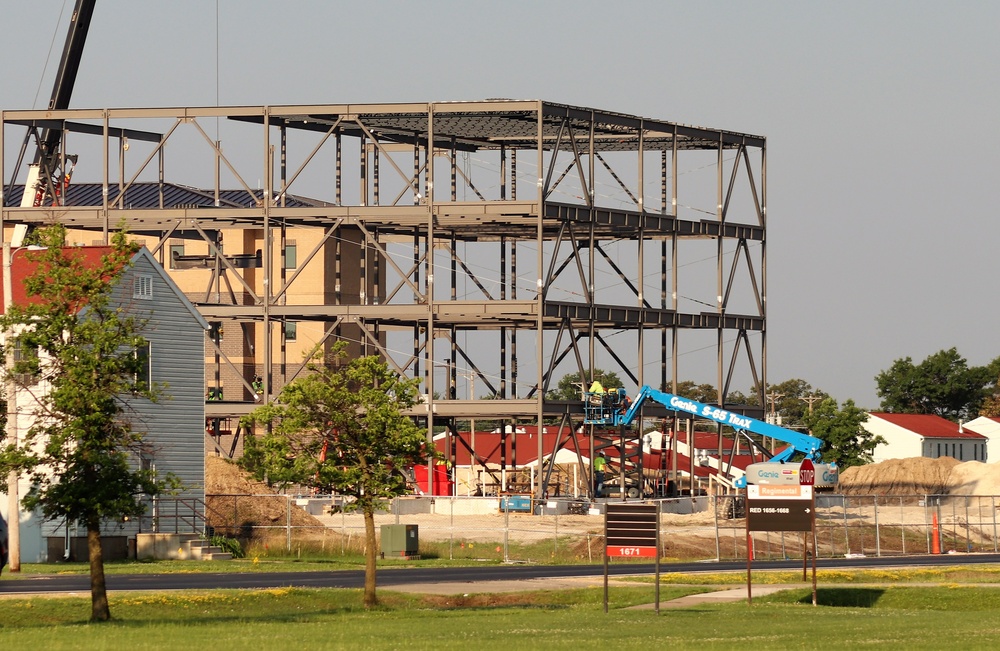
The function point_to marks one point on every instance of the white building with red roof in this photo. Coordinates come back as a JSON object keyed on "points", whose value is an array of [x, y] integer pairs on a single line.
{"points": [[924, 435], [990, 428]]}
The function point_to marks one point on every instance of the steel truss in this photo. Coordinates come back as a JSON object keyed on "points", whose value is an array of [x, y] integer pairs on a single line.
{"points": [[453, 275]]}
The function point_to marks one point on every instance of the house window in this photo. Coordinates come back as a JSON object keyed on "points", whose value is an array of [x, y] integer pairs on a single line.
{"points": [[939, 452], [143, 367], [143, 288], [175, 250], [29, 359], [291, 256], [291, 330]]}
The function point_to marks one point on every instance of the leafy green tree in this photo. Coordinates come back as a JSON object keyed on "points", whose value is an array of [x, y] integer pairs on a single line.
{"points": [[943, 384], [848, 443], [569, 385], [341, 428], [81, 450], [739, 398], [705, 393], [990, 406]]}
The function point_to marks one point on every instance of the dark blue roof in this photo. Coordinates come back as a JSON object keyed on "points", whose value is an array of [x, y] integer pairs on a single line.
{"points": [[147, 195]]}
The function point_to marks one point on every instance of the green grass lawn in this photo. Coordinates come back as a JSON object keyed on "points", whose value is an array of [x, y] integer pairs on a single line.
{"points": [[848, 617]]}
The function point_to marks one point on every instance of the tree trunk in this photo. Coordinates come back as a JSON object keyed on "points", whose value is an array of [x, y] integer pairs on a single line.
{"points": [[370, 550], [99, 609]]}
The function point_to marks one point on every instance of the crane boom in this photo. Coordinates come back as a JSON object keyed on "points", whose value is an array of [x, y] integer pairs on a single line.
{"points": [[46, 176]]}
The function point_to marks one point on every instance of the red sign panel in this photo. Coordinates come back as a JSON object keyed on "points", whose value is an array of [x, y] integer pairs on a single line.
{"points": [[632, 552], [807, 473]]}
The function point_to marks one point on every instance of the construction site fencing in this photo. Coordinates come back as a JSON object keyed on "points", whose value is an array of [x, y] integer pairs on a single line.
{"points": [[521, 529]]}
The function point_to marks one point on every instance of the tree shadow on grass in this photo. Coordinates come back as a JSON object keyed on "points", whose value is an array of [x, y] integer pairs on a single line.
{"points": [[845, 597]]}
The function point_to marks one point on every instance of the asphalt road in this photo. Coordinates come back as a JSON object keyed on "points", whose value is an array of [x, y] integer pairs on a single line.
{"points": [[62, 583]]}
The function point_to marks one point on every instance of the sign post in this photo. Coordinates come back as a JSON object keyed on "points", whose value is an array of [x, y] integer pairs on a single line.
{"points": [[632, 530], [807, 477], [783, 508]]}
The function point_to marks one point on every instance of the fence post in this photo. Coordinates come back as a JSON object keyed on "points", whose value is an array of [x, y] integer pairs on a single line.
{"points": [[927, 534], [506, 529], [993, 510], [954, 522], [968, 527], [902, 525], [451, 531], [288, 523], [878, 536], [847, 533], [555, 538], [715, 501]]}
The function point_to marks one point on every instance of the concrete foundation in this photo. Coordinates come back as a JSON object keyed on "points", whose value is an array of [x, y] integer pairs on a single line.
{"points": [[163, 546]]}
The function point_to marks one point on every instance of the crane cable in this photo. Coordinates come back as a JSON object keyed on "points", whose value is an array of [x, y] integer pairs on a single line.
{"points": [[48, 57]]}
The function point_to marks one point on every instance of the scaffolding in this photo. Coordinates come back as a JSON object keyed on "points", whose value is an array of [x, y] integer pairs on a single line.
{"points": [[485, 247]]}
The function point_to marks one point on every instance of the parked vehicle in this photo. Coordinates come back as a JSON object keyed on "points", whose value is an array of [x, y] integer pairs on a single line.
{"points": [[3, 543]]}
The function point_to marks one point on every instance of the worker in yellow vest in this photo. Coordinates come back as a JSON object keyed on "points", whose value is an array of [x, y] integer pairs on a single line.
{"points": [[600, 463]]}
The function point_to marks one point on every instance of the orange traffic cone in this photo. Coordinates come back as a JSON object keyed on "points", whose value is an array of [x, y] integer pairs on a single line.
{"points": [[935, 535]]}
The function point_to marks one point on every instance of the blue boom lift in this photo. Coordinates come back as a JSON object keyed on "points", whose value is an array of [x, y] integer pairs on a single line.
{"points": [[613, 408]]}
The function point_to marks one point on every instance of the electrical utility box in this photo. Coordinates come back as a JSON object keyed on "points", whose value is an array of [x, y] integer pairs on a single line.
{"points": [[400, 541]]}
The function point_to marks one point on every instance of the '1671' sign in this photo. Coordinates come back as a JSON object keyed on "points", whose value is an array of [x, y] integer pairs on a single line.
{"points": [[631, 530]]}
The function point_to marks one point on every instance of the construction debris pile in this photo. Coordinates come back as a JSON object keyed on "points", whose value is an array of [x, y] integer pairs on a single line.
{"points": [[922, 476], [238, 504]]}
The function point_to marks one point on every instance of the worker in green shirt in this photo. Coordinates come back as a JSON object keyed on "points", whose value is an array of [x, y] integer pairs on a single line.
{"points": [[600, 463]]}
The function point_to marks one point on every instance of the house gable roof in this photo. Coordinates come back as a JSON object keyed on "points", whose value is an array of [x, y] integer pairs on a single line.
{"points": [[988, 427], [928, 426], [145, 254]]}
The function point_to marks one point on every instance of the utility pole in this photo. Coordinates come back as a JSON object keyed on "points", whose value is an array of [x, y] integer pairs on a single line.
{"points": [[809, 400], [13, 508], [773, 416]]}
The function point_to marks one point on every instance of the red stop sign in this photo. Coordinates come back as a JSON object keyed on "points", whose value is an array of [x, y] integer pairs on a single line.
{"points": [[807, 473]]}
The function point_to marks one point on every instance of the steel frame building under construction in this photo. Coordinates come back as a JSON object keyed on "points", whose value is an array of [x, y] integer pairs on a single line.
{"points": [[485, 247]]}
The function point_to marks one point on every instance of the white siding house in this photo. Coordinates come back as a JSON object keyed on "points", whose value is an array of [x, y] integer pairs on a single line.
{"points": [[174, 426], [990, 428], [923, 435]]}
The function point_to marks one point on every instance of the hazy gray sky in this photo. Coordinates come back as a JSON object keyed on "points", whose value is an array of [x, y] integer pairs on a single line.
{"points": [[881, 119]]}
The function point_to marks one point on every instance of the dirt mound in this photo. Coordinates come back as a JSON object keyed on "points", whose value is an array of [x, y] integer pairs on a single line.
{"points": [[975, 478], [239, 505], [223, 477], [913, 476]]}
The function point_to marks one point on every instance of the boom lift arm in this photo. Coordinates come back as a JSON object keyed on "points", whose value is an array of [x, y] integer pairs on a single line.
{"points": [[613, 409]]}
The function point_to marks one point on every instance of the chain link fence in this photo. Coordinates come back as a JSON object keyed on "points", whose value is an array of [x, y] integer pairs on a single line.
{"points": [[520, 529]]}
